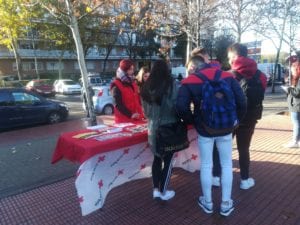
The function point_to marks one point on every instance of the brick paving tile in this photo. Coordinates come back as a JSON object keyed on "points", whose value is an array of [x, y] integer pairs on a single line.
{"points": [[274, 200]]}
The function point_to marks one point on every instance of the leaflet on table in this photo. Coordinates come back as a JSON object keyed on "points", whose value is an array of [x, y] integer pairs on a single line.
{"points": [[137, 129], [110, 132], [105, 137], [85, 135], [97, 127], [123, 124]]}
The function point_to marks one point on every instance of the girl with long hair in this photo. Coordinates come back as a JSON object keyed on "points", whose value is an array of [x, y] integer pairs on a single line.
{"points": [[142, 76], [293, 100], [158, 99]]}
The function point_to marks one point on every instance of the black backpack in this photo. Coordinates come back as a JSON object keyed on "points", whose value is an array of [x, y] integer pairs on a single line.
{"points": [[254, 91]]}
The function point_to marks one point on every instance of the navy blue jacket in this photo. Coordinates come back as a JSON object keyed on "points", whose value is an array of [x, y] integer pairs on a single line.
{"points": [[191, 92]]}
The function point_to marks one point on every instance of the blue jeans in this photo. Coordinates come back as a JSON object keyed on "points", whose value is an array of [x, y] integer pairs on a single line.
{"points": [[295, 116], [224, 146]]}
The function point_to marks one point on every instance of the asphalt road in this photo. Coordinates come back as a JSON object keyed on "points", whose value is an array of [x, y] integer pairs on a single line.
{"points": [[74, 103], [25, 153]]}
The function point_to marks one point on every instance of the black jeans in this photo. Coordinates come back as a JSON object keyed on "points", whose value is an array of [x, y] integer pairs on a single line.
{"points": [[161, 175], [244, 135]]}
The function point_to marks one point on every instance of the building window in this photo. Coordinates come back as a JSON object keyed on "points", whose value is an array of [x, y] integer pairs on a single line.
{"points": [[113, 51], [29, 66], [89, 65], [54, 66], [14, 66]]}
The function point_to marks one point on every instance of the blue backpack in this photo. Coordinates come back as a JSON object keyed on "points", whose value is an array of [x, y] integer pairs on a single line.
{"points": [[218, 108]]}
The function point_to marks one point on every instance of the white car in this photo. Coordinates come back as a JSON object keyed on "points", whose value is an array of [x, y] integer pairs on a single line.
{"points": [[103, 101], [67, 86]]}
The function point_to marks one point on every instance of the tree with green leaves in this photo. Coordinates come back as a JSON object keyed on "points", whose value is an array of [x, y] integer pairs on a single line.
{"points": [[70, 13], [13, 25]]}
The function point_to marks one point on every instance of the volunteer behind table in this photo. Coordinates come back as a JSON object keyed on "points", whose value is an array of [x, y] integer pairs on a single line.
{"points": [[125, 92]]}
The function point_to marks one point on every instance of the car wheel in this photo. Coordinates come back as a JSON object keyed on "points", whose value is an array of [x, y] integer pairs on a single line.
{"points": [[108, 110], [54, 117]]}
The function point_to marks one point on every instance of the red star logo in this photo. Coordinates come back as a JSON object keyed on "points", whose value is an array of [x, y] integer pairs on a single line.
{"points": [[78, 173], [126, 151], [120, 172], [101, 158], [100, 184], [194, 157], [143, 166], [80, 199]]}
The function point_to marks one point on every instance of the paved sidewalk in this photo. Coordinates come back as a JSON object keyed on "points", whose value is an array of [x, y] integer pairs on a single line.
{"points": [[274, 200]]}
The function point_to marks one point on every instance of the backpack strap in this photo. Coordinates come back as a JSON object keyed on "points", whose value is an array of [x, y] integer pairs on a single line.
{"points": [[204, 78], [201, 76], [217, 75], [240, 76], [257, 74]]}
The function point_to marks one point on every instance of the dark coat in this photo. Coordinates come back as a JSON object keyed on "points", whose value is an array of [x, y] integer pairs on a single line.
{"points": [[160, 114]]}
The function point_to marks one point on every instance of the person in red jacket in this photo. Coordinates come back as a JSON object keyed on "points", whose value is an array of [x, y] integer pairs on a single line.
{"points": [[128, 106], [245, 69]]}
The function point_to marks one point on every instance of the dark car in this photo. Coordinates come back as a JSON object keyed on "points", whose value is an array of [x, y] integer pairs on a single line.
{"points": [[43, 87], [19, 107]]}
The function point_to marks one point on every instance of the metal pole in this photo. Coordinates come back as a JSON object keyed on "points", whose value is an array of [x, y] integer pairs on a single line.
{"points": [[290, 73]]}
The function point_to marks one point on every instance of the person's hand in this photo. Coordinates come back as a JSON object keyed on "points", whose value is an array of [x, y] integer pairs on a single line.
{"points": [[135, 116]]}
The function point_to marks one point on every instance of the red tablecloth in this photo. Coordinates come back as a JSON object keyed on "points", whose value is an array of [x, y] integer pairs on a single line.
{"points": [[79, 150]]}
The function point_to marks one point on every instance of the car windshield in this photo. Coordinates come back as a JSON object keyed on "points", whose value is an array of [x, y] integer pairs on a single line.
{"points": [[42, 82], [70, 82], [24, 98]]}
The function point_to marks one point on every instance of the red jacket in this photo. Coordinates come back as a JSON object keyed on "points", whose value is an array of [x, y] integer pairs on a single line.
{"points": [[247, 67], [130, 99]]}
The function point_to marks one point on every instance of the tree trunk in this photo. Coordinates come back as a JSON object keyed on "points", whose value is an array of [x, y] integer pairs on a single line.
{"points": [[18, 59], [59, 67], [81, 61], [106, 58], [188, 48], [36, 67], [35, 58], [277, 55]]}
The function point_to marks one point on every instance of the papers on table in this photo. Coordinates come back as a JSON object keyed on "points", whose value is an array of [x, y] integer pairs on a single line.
{"points": [[123, 124], [97, 127]]}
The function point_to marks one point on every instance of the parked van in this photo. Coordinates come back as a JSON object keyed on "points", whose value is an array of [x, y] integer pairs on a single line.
{"points": [[178, 70], [93, 79], [268, 69]]}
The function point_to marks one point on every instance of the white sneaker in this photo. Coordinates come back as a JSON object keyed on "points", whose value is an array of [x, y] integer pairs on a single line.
{"points": [[156, 193], [167, 195], [206, 206], [226, 208], [246, 184], [216, 181], [292, 144]]}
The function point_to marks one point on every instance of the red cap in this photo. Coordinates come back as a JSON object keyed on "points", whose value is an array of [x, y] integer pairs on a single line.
{"points": [[125, 64]]}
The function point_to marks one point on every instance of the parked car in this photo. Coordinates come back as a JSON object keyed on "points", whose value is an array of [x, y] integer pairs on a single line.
{"points": [[102, 99], [14, 83], [67, 86], [93, 80], [42, 86], [19, 107]]}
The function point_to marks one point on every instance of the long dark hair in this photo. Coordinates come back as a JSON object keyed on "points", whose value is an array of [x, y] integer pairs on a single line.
{"points": [[158, 83]]}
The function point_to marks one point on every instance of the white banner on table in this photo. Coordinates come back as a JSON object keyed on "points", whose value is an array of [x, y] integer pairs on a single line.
{"points": [[101, 173]]}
